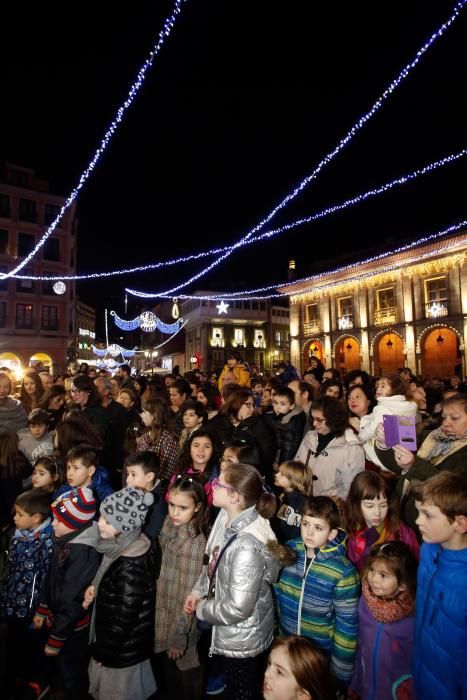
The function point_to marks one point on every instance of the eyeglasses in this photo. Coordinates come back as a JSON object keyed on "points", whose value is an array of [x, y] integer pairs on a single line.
{"points": [[318, 420], [73, 390], [217, 484], [249, 403]]}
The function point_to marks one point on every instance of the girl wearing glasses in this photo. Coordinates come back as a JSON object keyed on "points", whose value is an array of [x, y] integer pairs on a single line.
{"points": [[233, 593]]}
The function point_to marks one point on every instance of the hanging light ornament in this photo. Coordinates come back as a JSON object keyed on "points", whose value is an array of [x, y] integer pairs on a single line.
{"points": [[59, 288], [175, 310]]}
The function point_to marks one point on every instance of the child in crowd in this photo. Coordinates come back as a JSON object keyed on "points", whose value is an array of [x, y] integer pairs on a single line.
{"points": [[183, 542], [288, 422], [14, 471], [297, 670], [392, 395], [317, 594], [82, 472], [48, 474], [199, 459], [233, 593], [386, 616], [73, 566], [294, 480], [142, 472], [440, 669], [372, 517], [35, 441], [28, 562], [234, 372], [122, 624], [194, 416]]}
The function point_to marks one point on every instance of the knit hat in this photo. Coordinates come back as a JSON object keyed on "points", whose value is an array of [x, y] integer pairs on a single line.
{"points": [[75, 508], [38, 417], [126, 510]]}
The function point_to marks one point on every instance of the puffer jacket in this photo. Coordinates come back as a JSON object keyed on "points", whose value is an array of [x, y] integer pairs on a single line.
{"points": [[288, 428], [318, 599], [440, 668], [241, 373], [241, 610], [396, 405], [125, 612], [336, 466]]}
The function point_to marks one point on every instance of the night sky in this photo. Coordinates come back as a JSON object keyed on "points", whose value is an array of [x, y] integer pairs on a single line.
{"points": [[244, 100]]}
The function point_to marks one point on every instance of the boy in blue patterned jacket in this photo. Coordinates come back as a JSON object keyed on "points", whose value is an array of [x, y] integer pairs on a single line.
{"points": [[28, 562], [317, 595]]}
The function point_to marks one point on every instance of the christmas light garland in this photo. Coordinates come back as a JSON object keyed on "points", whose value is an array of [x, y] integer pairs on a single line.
{"points": [[342, 144], [163, 34], [401, 180], [247, 295]]}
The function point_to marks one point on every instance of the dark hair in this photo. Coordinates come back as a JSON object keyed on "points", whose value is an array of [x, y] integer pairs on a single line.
{"points": [[334, 412], [235, 355], [84, 383], [35, 501], [354, 374], [51, 393], [148, 461], [309, 666], [366, 486], [247, 482], [186, 483], [328, 383], [84, 454], [198, 408], [76, 430], [285, 392], [367, 391], [400, 559], [322, 507], [185, 461], [55, 469], [460, 399], [38, 417]]}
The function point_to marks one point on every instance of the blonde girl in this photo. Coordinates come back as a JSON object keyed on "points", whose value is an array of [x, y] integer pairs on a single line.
{"points": [[294, 480], [372, 517], [183, 542]]}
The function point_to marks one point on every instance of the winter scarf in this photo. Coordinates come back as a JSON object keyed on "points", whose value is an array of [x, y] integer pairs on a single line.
{"points": [[438, 446], [388, 611]]}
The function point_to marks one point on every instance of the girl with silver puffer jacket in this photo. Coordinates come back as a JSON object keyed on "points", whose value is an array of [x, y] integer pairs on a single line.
{"points": [[235, 597]]}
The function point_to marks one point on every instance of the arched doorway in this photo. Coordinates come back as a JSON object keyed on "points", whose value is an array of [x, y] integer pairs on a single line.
{"points": [[41, 358], [13, 362], [347, 356], [314, 348], [389, 354], [440, 353]]}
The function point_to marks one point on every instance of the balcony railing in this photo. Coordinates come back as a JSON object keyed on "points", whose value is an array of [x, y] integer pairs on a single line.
{"points": [[311, 327], [435, 309], [386, 316], [344, 322]]}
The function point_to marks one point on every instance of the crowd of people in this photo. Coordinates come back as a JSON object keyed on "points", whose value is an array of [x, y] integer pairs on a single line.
{"points": [[235, 533]]}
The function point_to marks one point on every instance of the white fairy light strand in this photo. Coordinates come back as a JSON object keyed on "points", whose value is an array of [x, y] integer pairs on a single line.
{"points": [[248, 294], [342, 143], [163, 34], [267, 234]]}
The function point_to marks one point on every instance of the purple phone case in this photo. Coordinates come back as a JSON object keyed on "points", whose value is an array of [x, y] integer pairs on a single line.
{"points": [[400, 430]]}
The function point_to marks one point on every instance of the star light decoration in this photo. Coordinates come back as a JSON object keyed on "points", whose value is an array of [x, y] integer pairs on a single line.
{"points": [[222, 308]]}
